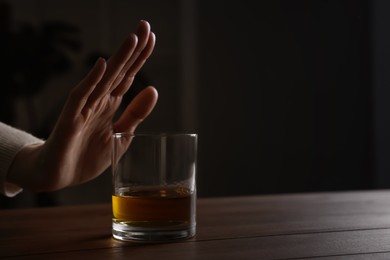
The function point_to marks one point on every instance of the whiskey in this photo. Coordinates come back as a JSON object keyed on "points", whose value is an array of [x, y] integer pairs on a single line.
{"points": [[154, 207]]}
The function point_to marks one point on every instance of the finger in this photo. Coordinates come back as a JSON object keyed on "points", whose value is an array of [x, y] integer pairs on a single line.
{"points": [[145, 54], [117, 64], [79, 95], [139, 108], [143, 34], [128, 79], [112, 79], [114, 66]]}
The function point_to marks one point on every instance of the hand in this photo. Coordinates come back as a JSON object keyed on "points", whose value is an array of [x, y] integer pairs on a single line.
{"points": [[78, 149]]}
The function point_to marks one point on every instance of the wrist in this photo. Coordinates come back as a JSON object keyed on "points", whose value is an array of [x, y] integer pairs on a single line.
{"points": [[24, 169]]}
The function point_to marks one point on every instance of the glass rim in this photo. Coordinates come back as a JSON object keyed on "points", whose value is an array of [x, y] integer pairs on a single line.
{"points": [[155, 134]]}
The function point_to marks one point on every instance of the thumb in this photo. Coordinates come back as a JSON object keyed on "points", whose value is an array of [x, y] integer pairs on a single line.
{"points": [[138, 109]]}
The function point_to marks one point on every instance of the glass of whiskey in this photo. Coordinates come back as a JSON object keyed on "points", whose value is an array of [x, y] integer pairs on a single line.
{"points": [[154, 186]]}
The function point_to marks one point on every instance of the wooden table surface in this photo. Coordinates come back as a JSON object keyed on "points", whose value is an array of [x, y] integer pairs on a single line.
{"points": [[328, 225]]}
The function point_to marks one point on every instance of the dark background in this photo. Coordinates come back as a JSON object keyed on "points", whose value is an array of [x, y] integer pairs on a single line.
{"points": [[286, 96]]}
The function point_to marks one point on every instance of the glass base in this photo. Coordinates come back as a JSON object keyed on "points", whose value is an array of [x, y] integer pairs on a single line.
{"points": [[127, 232]]}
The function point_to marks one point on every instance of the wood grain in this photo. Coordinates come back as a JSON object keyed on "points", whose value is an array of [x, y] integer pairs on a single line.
{"points": [[336, 225]]}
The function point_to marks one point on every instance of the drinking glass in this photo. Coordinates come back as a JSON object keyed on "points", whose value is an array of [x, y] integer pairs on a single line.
{"points": [[154, 186]]}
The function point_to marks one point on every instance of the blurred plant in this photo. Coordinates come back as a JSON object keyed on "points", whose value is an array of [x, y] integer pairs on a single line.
{"points": [[30, 55]]}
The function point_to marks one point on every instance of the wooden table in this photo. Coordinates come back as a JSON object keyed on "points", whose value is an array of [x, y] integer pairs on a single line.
{"points": [[330, 225]]}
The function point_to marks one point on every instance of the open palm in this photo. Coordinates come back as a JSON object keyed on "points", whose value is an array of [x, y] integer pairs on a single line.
{"points": [[78, 149]]}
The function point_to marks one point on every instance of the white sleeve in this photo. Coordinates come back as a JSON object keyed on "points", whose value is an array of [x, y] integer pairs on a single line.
{"points": [[12, 140]]}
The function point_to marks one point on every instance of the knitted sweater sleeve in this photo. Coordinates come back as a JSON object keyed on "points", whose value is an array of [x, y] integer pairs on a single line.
{"points": [[12, 140]]}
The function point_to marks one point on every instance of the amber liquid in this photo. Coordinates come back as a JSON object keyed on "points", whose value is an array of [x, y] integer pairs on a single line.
{"points": [[158, 207]]}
